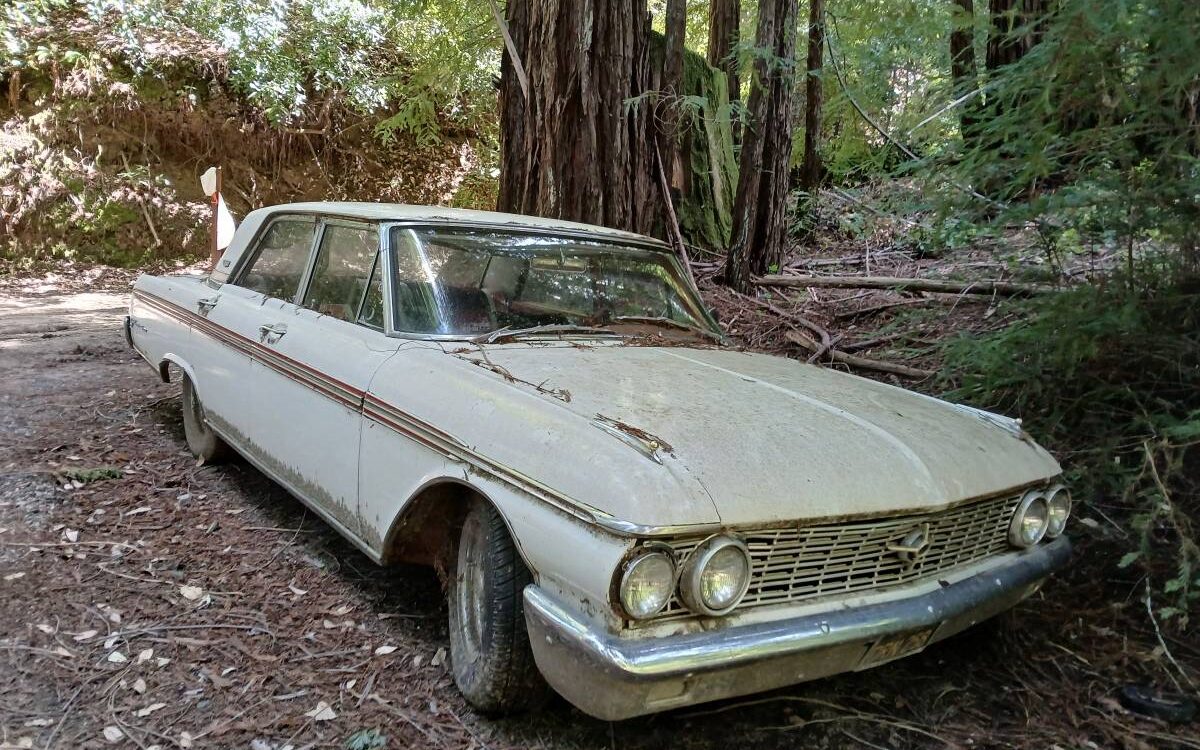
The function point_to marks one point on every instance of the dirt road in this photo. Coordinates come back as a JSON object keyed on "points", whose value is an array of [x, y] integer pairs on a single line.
{"points": [[146, 601]]}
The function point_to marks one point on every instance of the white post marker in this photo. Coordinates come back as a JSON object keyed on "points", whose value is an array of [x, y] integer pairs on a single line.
{"points": [[223, 224]]}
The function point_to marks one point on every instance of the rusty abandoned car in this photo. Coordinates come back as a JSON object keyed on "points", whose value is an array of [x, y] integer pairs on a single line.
{"points": [[629, 509]]}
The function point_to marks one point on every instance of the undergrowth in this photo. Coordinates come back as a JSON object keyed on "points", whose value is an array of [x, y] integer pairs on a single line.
{"points": [[1108, 376]]}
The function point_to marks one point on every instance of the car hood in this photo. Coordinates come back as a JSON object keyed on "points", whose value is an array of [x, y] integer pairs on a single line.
{"points": [[765, 438]]}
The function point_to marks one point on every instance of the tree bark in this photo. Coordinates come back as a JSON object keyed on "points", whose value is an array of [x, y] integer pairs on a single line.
{"points": [[573, 149], [724, 33], [671, 86], [1017, 25], [964, 72], [812, 171], [760, 204]]}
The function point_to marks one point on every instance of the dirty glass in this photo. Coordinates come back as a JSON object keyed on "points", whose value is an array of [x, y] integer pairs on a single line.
{"points": [[280, 259], [342, 271], [475, 281]]}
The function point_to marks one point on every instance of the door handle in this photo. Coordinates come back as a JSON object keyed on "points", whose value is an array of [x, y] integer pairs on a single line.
{"points": [[204, 305], [271, 332]]}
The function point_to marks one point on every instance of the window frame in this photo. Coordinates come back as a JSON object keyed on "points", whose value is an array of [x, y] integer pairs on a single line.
{"points": [[255, 248], [324, 222]]}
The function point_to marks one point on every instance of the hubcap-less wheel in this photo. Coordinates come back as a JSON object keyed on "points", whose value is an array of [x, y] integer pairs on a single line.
{"points": [[201, 439], [489, 647]]}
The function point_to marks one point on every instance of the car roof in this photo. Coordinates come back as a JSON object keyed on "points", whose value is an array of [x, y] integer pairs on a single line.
{"points": [[401, 212], [442, 214]]}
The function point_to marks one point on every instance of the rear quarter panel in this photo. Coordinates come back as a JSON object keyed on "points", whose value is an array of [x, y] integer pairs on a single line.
{"points": [[156, 333]]}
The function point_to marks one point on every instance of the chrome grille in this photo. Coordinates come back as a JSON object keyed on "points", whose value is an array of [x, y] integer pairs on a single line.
{"points": [[801, 562]]}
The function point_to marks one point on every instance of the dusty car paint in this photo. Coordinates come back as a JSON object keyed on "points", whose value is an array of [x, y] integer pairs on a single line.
{"points": [[587, 449]]}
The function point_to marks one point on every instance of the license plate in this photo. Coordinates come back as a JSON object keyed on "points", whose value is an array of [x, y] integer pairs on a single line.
{"points": [[896, 646]]}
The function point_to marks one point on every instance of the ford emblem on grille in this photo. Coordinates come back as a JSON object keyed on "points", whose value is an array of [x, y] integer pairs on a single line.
{"points": [[913, 546]]}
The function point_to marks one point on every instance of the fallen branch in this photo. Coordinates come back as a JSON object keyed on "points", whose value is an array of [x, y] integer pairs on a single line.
{"points": [[855, 346], [863, 312], [796, 337], [826, 340], [511, 46], [945, 286]]}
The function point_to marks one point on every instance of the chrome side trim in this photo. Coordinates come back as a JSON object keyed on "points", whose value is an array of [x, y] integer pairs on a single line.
{"points": [[389, 416], [614, 677]]}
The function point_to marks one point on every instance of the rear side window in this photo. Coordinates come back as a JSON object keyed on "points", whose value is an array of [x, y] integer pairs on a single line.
{"points": [[279, 259], [341, 277]]}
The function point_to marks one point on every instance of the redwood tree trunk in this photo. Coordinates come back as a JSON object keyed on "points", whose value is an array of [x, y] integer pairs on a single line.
{"points": [[573, 149], [760, 206], [964, 72], [1017, 25], [812, 171], [669, 146], [724, 33]]}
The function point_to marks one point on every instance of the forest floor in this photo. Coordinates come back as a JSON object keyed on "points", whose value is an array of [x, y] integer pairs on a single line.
{"points": [[147, 601]]}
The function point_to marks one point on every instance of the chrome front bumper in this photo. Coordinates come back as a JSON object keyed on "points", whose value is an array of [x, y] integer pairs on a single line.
{"points": [[614, 677]]}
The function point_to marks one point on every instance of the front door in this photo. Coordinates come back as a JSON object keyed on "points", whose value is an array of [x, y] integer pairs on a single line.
{"points": [[314, 359]]}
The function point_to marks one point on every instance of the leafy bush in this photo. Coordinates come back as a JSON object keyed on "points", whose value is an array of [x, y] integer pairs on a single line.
{"points": [[1109, 377], [1096, 130]]}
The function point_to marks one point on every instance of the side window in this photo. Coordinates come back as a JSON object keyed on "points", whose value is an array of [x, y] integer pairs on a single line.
{"points": [[341, 276], [280, 259]]}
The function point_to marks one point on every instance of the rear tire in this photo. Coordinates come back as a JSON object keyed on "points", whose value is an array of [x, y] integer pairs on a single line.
{"points": [[202, 441], [490, 653]]}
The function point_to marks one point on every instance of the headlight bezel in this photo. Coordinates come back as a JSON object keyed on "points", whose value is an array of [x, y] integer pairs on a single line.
{"points": [[1060, 493], [1016, 536], [638, 556], [692, 570]]}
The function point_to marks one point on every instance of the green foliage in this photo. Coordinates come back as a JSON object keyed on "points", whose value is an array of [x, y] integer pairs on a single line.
{"points": [[366, 739], [1095, 131], [97, 474], [1109, 376], [288, 58], [894, 57]]}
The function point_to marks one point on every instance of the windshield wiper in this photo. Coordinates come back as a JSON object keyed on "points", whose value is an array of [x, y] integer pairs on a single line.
{"points": [[667, 322], [508, 332]]}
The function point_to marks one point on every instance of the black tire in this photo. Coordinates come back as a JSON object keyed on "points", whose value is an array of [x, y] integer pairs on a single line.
{"points": [[490, 654], [202, 441], [1171, 707]]}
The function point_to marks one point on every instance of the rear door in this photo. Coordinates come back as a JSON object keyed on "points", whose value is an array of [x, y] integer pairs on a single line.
{"points": [[225, 333], [313, 361]]}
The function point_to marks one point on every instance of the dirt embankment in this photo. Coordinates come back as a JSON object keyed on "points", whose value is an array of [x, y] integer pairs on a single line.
{"points": [[147, 601]]}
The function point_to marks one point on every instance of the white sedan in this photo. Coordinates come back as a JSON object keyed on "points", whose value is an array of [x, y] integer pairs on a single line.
{"points": [[625, 507]]}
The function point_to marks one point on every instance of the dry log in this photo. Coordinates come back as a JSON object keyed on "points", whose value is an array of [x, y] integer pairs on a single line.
{"points": [[826, 339], [945, 286], [796, 337]]}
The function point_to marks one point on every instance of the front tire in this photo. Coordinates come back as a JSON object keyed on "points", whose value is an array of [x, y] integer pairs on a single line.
{"points": [[490, 653], [202, 441]]}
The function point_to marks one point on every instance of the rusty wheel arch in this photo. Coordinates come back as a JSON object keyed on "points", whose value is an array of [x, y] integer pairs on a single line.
{"points": [[425, 531]]}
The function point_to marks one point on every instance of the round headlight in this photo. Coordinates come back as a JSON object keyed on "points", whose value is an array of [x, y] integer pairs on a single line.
{"points": [[716, 576], [647, 583], [1059, 502], [1030, 520]]}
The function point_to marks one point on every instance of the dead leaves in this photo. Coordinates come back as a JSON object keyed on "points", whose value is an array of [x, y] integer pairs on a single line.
{"points": [[321, 713]]}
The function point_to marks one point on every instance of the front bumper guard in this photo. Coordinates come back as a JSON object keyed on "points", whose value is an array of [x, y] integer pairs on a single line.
{"points": [[613, 677]]}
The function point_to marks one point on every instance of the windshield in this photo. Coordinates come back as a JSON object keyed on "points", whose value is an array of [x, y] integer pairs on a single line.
{"points": [[474, 282]]}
